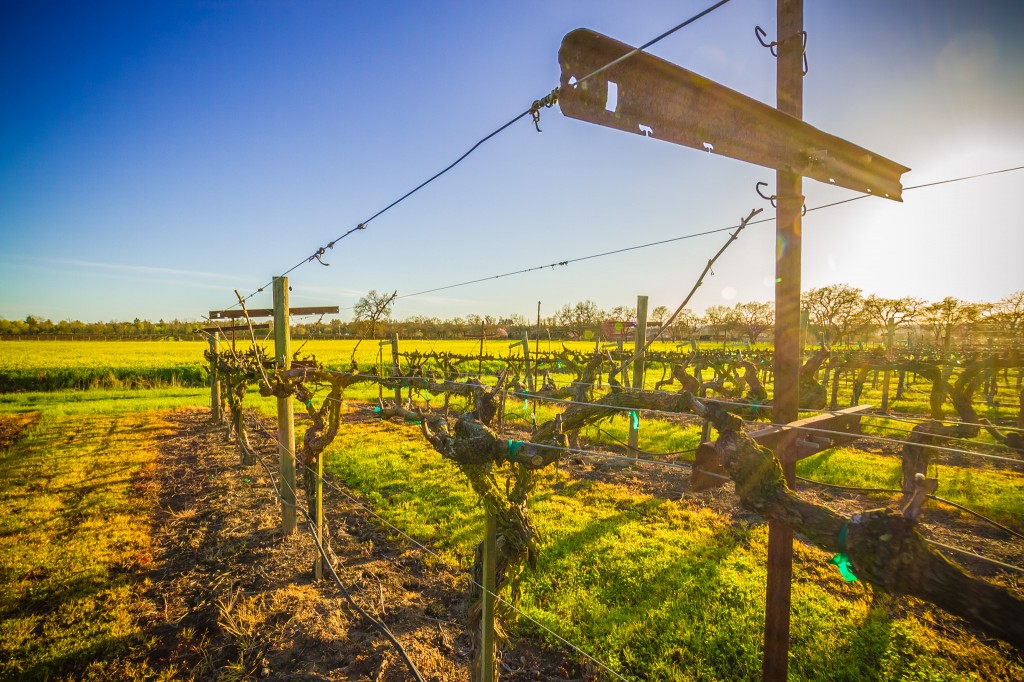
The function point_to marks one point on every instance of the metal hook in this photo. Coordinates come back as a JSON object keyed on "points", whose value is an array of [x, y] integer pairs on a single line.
{"points": [[774, 197], [764, 196], [773, 46], [547, 101], [761, 35], [318, 255]]}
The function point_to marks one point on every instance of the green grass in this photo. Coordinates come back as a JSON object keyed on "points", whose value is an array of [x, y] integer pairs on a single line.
{"points": [[74, 546], [102, 402], [995, 491], [658, 589]]}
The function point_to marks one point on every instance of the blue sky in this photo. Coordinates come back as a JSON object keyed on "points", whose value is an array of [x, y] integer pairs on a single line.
{"points": [[156, 156]]}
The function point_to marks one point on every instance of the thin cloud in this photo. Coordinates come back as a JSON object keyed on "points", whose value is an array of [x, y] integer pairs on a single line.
{"points": [[136, 269]]}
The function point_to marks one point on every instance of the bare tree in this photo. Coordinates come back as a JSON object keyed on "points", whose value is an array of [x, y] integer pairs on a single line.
{"points": [[754, 318], [892, 313], [720, 319], [948, 315], [658, 317], [1008, 317], [622, 313], [372, 309], [836, 310], [584, 316], [687, 324]]}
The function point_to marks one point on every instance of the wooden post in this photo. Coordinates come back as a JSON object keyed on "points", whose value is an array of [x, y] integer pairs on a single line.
{"points": [[536, 342], [890, 339], [285, 414], [526, 362], [788, 231], [395, 371], [318, 516], [487, 614], [215, 414], [638, 364], [480, 357], [623, 377], [805, 323]]}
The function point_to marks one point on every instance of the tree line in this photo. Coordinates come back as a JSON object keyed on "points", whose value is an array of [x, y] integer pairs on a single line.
{"points": [[836, 314]]}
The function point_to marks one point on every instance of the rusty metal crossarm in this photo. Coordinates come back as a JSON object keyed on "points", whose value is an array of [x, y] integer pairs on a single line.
{"points": [[655, 98]]}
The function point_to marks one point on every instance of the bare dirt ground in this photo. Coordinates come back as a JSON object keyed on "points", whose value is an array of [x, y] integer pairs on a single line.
{"points": [[231, 597], [227, 596]]}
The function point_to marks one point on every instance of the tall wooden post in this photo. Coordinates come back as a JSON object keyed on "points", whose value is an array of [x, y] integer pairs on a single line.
{"points": [[638, 363], [785, 405], [285, 414], [215, 414], [487, 613], [395, 371], [526, 362]]}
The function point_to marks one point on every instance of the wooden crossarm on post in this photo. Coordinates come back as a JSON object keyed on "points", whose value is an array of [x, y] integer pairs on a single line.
{"points": [[232, 328], [269, 312], [793, 442], [790, 443]]}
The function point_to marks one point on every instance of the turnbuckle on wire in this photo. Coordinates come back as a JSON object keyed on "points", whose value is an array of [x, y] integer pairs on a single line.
{"points": [[550, 100]]}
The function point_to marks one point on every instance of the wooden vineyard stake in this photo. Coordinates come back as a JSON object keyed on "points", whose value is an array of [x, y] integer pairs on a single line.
{"points": [[395, 369], [890, 339], [638, 366], [526, 362], [318, 516], [487, 658], [285, 413], [805, 323], [215, 414]]}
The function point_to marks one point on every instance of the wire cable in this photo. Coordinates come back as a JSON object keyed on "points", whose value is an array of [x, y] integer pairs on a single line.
{"points": [[900, 492], [994, 562], [670, 240], [646, 45], [862, 436], [547, 101]]}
